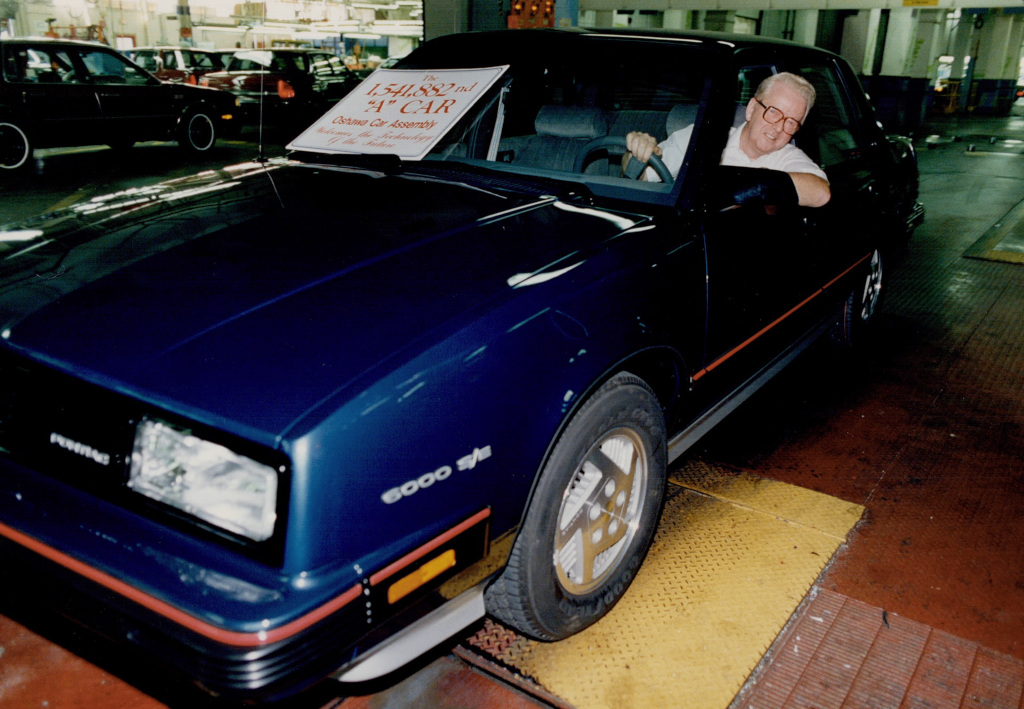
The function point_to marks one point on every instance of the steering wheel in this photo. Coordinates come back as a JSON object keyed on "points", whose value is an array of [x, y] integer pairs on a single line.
{"points": [[615, 141]]}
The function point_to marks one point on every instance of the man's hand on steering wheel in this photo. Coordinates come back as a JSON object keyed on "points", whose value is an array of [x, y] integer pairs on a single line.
{"points": [[641, 148], [614, 145]]}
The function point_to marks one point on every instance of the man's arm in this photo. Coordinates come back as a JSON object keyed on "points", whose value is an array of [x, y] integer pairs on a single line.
{"points": [[811, 190]]}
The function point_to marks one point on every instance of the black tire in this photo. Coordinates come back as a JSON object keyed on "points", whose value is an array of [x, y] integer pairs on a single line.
{"points": [[587, 531], [15, 146], [861, 307], [197, 131]]}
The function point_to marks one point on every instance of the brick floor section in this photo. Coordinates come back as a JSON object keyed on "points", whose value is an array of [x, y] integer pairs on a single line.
{"points": [[844, 654]]}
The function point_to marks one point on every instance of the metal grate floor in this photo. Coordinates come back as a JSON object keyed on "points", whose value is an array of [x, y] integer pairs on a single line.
{"points": [[733, 558]]}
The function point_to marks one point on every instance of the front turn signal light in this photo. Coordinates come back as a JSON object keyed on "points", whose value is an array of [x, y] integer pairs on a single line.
{"points": [[421, 576]]}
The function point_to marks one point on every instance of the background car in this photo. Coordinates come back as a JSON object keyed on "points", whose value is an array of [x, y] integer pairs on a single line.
{"points": [[177, 64], [61, 92], [317, 414], [283, 85]]}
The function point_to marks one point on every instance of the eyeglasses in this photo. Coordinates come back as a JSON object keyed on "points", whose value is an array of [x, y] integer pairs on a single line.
{"points": [[773, 115]]}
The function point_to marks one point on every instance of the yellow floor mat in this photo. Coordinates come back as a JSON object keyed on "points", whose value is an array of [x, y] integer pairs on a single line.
{"points": [[733, 558], [1004, 240]]}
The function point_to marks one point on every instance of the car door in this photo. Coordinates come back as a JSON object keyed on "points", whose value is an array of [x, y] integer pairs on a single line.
{"points": [[62, 108], [844, 143], [763, 271], [854, 153], [134, 104]]}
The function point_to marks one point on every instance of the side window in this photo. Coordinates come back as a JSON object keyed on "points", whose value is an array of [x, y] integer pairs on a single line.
{"points": [[38, 66], [147, 60], [198, 60], [108, 68], [327, 65], [833, 120]]}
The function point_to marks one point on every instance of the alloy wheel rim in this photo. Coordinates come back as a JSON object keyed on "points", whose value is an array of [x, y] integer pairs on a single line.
{"points": [[872, 288], [600, 511]]}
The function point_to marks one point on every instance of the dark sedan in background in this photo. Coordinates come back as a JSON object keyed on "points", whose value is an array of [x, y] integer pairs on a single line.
{"points": [[311, 416], [283, 85], [57, 93]]}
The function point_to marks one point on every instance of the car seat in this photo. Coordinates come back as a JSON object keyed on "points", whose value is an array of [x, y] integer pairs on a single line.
{"points": [[561, 132]]}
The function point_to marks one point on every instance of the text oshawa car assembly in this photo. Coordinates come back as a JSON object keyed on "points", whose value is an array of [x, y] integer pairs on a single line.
{"points": [[312, 417]]}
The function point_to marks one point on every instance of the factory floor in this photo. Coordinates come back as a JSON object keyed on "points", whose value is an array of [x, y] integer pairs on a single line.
{"points": [[921, 433]]}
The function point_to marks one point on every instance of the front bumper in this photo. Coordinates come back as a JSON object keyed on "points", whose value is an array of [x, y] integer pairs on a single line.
{"points": [[341, 636]]}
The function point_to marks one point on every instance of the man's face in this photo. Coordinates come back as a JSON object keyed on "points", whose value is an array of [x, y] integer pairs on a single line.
{"points": [[768, 137]]}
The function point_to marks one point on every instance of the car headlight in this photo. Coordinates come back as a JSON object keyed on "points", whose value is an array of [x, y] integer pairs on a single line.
{"points": [[204, 479]]}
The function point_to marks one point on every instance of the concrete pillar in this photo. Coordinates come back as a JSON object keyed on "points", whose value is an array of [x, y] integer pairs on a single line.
{"points": [[902, 90], [962, 35], [567, 13], [805, 28], [860, 33], [796, 25], [996, 64], [928, 45], [675, 19], [719, 20], [998, 56], [1013, 56], [598, 19], [441, 17], [899, 41], [773, 23]]}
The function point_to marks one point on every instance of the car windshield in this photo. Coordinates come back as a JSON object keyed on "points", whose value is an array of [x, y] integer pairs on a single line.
{"points": [[558, 113]]}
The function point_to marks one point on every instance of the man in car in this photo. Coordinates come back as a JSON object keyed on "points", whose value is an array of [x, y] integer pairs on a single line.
{"points": [[774, 114]]}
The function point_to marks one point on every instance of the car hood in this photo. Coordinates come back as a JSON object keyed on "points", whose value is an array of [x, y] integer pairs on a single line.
{"points": [[247, 296]]}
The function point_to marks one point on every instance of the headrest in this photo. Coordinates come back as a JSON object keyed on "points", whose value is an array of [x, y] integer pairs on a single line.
{"points": [[681, 115], [741, 115], [685, 114], [571, 122]]}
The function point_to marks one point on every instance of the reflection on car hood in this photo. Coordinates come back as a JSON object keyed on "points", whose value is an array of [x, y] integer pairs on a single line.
{"points": [[282, 284]]}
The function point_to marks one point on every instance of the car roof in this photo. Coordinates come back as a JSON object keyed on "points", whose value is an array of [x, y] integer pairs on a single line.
{"points": [[290, 50], [53, 40], [723, 43], [732, 39], [164, 48]]}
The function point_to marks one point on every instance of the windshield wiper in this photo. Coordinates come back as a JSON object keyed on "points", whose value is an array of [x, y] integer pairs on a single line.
{"points": [[378, 162]]}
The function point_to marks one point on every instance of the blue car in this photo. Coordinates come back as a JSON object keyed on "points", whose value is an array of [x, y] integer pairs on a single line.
{"points": [[311, 417]]}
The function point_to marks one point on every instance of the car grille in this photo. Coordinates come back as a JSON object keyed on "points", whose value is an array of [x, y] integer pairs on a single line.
{"points": [[63, 427]]}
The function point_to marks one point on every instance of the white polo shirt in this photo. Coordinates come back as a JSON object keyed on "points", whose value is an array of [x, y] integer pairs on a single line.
{"points": [[788, 158]]}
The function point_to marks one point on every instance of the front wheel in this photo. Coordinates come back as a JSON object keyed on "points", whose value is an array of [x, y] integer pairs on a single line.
{"points": [[15, 146], [197, 131], [593, 516], [861, 306]]}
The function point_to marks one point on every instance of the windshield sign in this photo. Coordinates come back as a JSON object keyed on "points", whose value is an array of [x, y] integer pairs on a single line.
{"points": [[403, 112]]}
